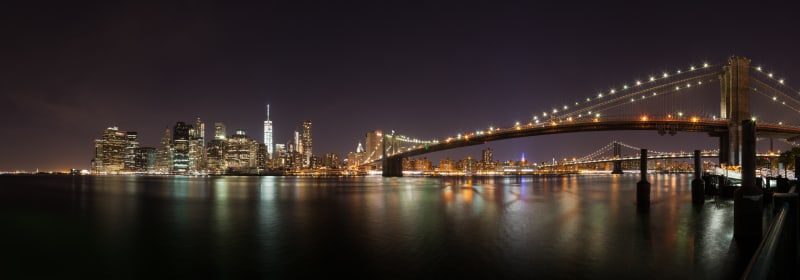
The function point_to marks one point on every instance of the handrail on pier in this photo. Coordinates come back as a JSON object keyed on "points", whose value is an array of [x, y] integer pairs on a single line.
{"points": [[776, 256]]}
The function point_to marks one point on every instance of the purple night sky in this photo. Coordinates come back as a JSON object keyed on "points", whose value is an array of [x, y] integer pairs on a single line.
{"points": [[429, 69]]}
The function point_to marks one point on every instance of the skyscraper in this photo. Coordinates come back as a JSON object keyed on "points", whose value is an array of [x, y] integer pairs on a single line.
{"points": [[200, 132], [110, 151], [306, 142], [197, 146], [487, 155], [268, 134], [145, 159], [164, 153], [241, 152], [132, 145], [298, 147], [219, 131], [181, 134], [215, 156]]}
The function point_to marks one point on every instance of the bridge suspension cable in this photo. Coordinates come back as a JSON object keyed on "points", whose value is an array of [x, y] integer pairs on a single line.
{"points": [[772, 93], [592, 107], [774, 89]]}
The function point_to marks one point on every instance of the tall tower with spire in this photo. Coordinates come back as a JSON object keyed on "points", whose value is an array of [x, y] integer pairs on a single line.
{"points": [[268, 134]]}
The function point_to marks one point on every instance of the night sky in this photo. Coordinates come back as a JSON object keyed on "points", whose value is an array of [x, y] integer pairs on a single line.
{"points": [[430, 69]]}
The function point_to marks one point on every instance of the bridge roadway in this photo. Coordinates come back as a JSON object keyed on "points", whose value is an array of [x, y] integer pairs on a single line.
{"points": [[713, 127]]}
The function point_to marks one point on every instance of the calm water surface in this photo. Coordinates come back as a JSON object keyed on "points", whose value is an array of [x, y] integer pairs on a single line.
{"points": [[571, 227]]}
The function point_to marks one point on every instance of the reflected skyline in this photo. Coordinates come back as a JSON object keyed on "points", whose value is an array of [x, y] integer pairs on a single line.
{"points": [[565, 226]]}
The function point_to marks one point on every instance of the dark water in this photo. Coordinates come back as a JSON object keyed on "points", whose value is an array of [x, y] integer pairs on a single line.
{"points": [[368, 227]]}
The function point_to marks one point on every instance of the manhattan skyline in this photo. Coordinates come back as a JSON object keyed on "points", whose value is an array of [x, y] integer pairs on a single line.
{"points": [[426, 70]]}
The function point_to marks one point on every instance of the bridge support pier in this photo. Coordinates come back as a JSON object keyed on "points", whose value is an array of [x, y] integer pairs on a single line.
{"points": [[748, 201], [724, 149], [617, 149], [393, 167], [796, 169], [643, 186], [617, 167], [698, 185]]}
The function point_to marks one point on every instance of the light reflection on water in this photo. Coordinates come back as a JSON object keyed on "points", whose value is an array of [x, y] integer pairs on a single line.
{"points": [[495, 227]]}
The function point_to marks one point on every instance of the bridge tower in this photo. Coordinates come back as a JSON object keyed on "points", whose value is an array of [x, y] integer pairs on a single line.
{"points": [[392, 166], [617, 149], [735, 107]]}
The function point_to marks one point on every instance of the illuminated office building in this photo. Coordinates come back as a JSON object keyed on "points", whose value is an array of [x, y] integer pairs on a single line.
{"points": [[306, 144], [132, 144], [110, 151], [241, 152], [164, 153], [268, 134], [180, 146], [330, 160], [145, 159], [215, 157], [219, 131]]}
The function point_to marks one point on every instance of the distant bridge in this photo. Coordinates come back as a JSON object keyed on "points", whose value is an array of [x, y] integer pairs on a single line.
{"points": [[612, 153]]}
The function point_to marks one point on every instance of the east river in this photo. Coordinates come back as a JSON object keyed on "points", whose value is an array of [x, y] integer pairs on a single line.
{"points": [[563, 227]]}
